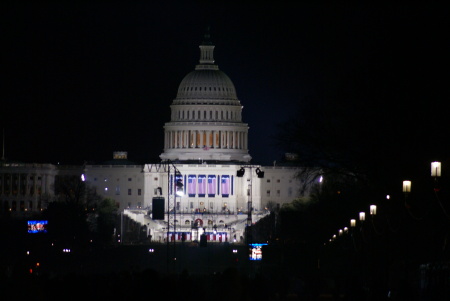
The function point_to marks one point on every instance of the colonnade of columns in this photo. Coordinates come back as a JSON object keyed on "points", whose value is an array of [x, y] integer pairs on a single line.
{"points": [[22, 191], [205, 138], [23, 184]]}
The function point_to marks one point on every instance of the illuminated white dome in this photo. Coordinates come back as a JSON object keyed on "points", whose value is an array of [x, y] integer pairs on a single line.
{"points": [[206, 84], [206, 117]]}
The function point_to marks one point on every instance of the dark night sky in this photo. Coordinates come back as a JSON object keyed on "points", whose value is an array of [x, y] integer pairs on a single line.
{"points": [[82, 80]]}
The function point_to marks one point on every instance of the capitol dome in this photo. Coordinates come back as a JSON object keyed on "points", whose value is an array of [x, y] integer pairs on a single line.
{"points": [[211, 84], [206, 83], [206, 116]]}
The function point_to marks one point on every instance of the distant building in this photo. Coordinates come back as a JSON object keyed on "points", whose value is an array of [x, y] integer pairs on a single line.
{"points": [[205, 147], [26, 187]]}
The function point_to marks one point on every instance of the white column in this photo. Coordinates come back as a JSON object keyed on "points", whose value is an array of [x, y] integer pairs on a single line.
{"points": [[238, 140]]}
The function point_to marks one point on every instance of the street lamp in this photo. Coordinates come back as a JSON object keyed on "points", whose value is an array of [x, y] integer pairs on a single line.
{"points": [[435, 169], [373, 210], [240, 173], [362, 216], [406, 186]]}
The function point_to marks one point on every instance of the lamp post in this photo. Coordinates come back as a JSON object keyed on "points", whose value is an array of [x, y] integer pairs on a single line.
{"points": [[428, 230], [436, 173], [406, 186], [373, 210], [240, 173], [362, 216], [174, 189], [435, 169]]}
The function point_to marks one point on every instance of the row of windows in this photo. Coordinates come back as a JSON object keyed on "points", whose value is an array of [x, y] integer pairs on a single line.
{"points": [[278, 192], [22, 176], [213, 115], [184, 89], [278, 181], [21, 191]]}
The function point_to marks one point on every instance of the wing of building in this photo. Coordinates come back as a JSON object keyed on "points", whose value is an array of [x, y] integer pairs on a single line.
{"points": [[205, 147]]}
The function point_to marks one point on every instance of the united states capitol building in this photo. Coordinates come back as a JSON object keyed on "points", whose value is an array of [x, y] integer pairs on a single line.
{"points": [[205, 180]]}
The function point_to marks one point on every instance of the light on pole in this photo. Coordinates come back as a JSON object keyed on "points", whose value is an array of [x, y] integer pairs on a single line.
{"points": [[435, 169], [240, 173], [373, 210], [406, 186], [362, 216]]}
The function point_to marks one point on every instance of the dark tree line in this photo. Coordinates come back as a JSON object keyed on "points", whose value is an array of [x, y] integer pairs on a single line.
{"points": [[379, 122], [78, 215]]}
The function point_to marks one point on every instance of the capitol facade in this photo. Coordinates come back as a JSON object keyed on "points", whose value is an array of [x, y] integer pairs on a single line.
{"points": [[205, 179]]}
